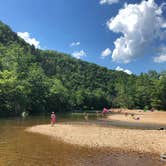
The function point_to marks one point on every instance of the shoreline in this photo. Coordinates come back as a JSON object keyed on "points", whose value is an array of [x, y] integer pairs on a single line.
{"points": [[141, 141]]}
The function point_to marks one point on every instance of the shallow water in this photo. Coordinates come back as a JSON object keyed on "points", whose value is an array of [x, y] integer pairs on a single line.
{"points": [[20, 148]]}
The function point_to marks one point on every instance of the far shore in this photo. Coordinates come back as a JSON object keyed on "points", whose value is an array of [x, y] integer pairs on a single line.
{"points": [[139, 116], [144, 141]]}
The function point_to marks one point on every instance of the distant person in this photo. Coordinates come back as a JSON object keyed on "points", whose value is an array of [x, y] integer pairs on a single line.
{"points": [[86, 116], [53, 119], [138, 118], [126, 114], [132, 115], [105, 111], [119, 111], [152, 110], [97, 114]]}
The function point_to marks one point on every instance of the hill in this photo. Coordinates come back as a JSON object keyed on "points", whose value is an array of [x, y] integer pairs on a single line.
{"points": [[37, 80]]}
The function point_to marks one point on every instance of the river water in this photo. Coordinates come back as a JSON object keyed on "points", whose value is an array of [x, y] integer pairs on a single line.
{"points": [[20, 148]]}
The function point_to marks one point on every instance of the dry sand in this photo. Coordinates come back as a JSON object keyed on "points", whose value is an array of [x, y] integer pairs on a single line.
{"points": [[144, 141], [155, 117]]}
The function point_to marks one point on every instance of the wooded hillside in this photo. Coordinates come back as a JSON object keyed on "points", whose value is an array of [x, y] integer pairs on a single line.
{"points": [[37, 80]]}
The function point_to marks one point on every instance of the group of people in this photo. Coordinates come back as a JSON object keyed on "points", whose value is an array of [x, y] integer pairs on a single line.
{"points": [[133, 116], [103, 113], [53, 116]]}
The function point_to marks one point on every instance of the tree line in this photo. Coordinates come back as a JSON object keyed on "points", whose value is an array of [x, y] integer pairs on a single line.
{"points": [[38, 81]]}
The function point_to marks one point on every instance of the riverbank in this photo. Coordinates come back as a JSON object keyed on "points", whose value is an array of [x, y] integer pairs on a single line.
{"points": [[143, 141]]}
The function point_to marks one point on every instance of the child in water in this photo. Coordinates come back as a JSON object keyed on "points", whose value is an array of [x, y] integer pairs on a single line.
{"points": [[53, 119]]}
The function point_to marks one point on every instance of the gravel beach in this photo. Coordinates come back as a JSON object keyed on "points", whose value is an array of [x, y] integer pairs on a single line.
{"points": [[152, 141]]}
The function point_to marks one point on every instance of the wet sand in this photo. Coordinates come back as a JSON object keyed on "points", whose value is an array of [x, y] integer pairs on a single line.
{"points": [[115, 157]]}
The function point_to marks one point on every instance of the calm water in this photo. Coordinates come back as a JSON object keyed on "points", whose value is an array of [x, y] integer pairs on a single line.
{"points": [[20, 148]]}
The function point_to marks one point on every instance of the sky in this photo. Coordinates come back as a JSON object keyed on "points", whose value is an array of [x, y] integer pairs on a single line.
{"points": [[126, 35]]}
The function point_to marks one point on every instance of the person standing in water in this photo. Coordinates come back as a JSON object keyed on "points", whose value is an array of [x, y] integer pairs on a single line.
{"points": [[86, 116], [104, 112], [53, 119]]}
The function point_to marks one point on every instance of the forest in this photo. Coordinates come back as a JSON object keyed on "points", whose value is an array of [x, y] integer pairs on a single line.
{"points": [[41, 81]]}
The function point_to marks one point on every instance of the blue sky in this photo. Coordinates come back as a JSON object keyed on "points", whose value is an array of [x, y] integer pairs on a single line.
{"points": [[132, 40]]}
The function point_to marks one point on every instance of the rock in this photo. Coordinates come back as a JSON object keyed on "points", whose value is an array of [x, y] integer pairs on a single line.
{"points": [[163, 157]]}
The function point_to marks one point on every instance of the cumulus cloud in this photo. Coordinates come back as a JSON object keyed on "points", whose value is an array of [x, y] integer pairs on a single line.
{"points": [[162, 55], [73, 44], [160, 59], [118, 68], [79, 54], [142, 26], [110, 2], [105, 53], [28, 39]]}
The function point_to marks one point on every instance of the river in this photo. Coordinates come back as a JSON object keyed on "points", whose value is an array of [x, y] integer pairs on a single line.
{"points": [[20, 148]]}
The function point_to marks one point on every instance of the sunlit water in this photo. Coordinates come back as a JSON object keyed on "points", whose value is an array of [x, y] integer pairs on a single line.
{"points": [[20, 148]]}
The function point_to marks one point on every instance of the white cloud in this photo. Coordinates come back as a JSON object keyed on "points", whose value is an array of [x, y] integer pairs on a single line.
{"points": [[79, 54], [162, 55], [118, 68], [75, 44], [105, 53], [164, 25], [28, 39], [141, 25], [160, 59], [110, 2]]}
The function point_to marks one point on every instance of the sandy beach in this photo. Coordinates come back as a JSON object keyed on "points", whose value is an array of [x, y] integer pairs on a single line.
{"points": [[156, 117], [152, 141], [126, 146]]}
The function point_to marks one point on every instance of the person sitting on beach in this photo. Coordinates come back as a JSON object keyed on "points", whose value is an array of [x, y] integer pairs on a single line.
{"points": [[126, 114], [53, 118], [132, 115]]}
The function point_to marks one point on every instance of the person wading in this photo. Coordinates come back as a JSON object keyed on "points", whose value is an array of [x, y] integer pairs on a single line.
{"points": [[53, 119]]}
